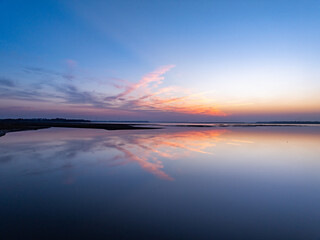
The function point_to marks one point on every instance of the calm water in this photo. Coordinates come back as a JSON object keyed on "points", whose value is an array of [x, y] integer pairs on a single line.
{"points": [[174, 183]]}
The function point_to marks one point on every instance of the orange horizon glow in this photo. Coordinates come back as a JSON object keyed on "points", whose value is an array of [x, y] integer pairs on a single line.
{"points": [[145, 97]]}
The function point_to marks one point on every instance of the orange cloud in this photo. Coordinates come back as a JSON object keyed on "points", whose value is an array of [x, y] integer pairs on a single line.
{"points": [[147, 95], [134, 99]]}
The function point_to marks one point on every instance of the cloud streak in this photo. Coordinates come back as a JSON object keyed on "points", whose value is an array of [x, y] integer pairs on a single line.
{"points": [[155, 76], [6, 82], [148, 96], [143, 97]]}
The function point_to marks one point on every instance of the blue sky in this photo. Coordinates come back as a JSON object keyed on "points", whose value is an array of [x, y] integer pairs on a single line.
{"points": [[185, 60]]}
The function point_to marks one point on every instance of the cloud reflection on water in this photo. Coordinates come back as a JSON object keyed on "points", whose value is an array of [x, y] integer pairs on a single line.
{"points": [[60, 149], [150, 149], [69, 150]]}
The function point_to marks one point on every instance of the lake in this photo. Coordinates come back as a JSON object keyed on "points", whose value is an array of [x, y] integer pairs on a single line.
{"points": [[171, 183]]}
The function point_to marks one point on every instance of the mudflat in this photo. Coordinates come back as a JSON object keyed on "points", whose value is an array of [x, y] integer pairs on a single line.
{"points": [[23, 125]]}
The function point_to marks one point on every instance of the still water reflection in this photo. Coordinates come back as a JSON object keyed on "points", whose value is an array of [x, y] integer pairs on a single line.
{"points": [[202, 183]]}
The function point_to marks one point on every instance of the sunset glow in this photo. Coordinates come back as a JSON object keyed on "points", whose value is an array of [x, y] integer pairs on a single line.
{"points": [[160, 119], [157, 63]]}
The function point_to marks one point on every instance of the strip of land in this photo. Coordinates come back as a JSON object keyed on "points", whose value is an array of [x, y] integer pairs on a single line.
{"points": [[14, 125]]}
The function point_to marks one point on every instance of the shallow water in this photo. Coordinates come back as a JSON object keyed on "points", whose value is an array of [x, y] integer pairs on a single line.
{"points": [[177, 183]]}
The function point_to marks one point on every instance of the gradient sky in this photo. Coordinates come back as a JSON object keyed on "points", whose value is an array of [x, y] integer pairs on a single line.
{"points": [[162, 60]]}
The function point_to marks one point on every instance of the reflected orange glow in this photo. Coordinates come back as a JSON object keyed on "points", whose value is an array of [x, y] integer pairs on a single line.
{"points": [[66, 149], [149, 149]]}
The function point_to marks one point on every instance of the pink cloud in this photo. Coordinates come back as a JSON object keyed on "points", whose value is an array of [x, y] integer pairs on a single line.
{"points": [[147, 95], [140, 99], [155, 76]]}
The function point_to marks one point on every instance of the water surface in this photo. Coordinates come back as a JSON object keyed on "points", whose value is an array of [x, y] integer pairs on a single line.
{"points": [[178, 183]]}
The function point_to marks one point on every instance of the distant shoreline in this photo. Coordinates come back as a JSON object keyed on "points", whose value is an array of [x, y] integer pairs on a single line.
{"points": [[14, 125]]}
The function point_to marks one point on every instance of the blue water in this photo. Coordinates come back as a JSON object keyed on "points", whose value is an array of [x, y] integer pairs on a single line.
{"points": [[172, 183]]}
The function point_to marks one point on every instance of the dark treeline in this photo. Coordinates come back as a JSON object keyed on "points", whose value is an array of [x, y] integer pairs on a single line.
{"points": [[21, 124], [42, 120]]}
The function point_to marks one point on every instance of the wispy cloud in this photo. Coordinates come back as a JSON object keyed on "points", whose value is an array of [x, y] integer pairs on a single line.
{"points": [[144, 96], [6, 82], [147, 95], [153, 77], [71, 94], [68, 74]]}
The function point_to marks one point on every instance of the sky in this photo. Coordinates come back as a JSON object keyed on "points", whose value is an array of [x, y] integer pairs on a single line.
{"points": [[168, 60]]}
